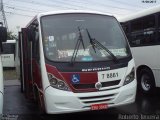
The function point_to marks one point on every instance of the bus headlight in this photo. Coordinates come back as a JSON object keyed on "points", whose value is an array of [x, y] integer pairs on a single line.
{"points": [[57, 83], [53, 81], [130, 77]]}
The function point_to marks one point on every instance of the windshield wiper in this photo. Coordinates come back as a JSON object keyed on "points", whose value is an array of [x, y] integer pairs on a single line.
{"points": [[94, 42], [79, 40], [91, 40]]}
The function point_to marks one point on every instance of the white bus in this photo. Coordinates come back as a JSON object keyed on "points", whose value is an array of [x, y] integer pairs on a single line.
{"points": [[143, 32], [8, 54], [75, 61], [3, 38]]}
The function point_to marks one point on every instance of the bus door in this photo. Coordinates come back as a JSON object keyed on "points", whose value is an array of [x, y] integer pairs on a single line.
{"points": [[26, 71]]}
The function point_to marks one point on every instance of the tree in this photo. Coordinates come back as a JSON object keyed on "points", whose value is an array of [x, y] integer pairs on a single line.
{"points": [[11, 35]]}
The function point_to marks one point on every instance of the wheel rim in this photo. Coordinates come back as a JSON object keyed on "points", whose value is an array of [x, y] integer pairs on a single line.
{"points": [[145, 82]]}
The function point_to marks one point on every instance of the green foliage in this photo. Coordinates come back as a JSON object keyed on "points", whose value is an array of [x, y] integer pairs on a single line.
{"points": [[11, 36]]}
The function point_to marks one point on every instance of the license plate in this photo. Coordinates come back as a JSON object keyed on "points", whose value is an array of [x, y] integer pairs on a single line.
{"points": [[99, 106]]}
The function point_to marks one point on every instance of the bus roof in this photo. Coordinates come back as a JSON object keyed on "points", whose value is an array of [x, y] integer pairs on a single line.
{"points": [[140, 14], [72, 11], [65, 12]]}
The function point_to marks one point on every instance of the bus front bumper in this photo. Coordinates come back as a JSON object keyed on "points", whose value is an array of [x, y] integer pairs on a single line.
{"points": [[59, 102]]}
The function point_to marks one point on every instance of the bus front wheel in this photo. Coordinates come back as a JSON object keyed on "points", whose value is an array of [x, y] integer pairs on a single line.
{"points": [[146, 81]]}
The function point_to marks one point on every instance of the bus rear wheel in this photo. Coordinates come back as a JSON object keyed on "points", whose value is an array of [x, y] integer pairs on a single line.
{"points": [[146, 81]]}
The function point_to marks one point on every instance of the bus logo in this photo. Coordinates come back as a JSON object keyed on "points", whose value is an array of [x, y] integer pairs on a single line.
{"points": [[75, 78], [98, 85]]}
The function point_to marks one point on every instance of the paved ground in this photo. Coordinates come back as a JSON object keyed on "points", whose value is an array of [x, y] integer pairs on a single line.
{"points": [[12, 83]]}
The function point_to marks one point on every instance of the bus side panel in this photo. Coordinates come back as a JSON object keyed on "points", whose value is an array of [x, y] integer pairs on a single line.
{"points": [[36, 70], [150, 58], [26, 52], [36, 74], [37, 81]]}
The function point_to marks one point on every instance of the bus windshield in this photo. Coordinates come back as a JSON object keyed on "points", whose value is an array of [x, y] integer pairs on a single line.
{"points": [[8, 48], [60, 34]]}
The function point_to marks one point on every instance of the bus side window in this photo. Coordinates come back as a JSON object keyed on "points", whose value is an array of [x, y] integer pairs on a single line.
{"points": [[35, 44], [137, 25], [149, 22], [37, 53], [8, 48], [136, 35], [136, 39], [147, 39], [143, 31]]}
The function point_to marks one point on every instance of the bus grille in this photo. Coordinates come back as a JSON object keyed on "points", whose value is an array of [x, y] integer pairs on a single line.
{"points": [[92, 86], [98, 99]]}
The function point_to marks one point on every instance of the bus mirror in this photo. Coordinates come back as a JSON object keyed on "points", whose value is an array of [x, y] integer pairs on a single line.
{"points": [[31, 34], [3, 34]]}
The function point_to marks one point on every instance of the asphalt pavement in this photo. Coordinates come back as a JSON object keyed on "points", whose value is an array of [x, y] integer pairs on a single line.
{"points": [[17, 107]]}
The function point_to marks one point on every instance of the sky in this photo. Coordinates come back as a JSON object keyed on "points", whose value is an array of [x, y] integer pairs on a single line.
{"points": [[19, 12]]}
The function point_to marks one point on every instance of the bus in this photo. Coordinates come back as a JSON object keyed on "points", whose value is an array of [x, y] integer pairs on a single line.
{"points": [[8, 54], [3, 38], [74, 61], [143, 32]]}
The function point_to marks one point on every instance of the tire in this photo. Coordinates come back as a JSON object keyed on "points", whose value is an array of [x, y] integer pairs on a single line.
{"points": [[146, 81]]}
